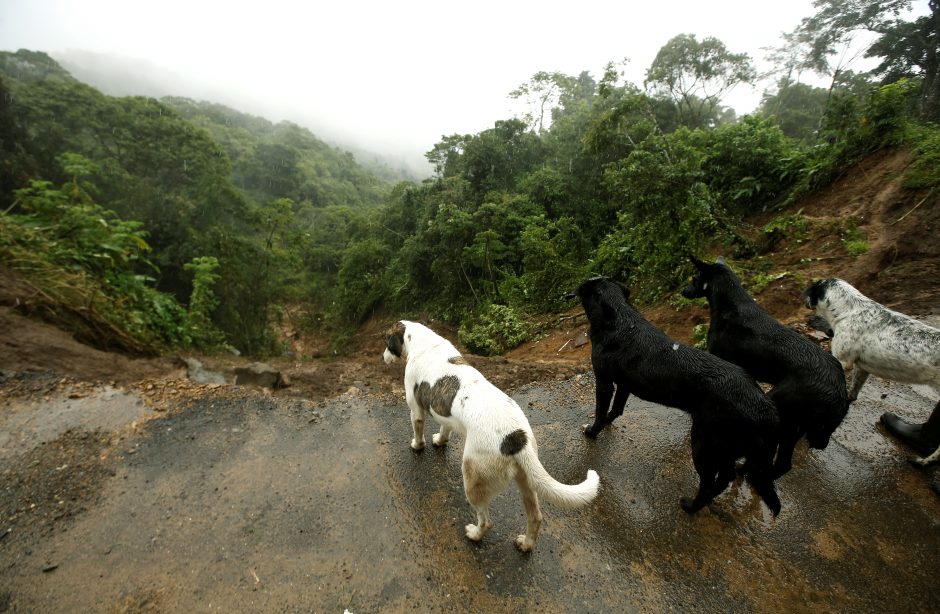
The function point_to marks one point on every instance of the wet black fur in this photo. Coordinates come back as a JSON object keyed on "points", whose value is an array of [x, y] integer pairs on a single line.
{"points": [[808, 383], [731, 417]]}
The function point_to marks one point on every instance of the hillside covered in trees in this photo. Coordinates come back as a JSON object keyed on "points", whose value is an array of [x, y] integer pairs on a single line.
{"points": [[150, 223]]}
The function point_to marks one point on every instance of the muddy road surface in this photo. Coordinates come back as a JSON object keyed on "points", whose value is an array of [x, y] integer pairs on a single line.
{"points": [[236, 501]]}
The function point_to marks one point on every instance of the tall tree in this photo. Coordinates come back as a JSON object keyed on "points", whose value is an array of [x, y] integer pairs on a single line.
{"points": [[906, 48], [541, 94], [445, 156], [696, 75], [796, 107]]}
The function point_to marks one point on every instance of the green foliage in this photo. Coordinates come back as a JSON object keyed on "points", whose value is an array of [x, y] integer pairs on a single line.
{"points": [[854, 127], [282, 160], [797, 108], [700, 336], [907, 49], [748, 166], [245, 216], [759, 281], [925, 169], [794, 226], [83, 262], [494, 159], [696, 74], [888, 114], [202, 179], [853, 240], [618, 130], [496, 329], [681, 303], [361, 279], [542, 93], [789, 223], [554, 261], [203, 301], [667, 213]]}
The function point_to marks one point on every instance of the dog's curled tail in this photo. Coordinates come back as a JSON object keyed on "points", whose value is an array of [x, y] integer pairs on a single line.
{"points": [[550, 489]]}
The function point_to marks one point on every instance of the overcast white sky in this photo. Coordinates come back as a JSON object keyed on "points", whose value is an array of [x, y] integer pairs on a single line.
{"points": [[391, 76]]}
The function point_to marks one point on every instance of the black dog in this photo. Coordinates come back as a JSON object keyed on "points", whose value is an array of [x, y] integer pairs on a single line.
{"points": [[808, 383], [731, 417]]}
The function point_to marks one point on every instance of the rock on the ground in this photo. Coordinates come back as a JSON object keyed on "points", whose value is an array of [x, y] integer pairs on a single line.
{"points": [[199, 374], [260, 374]]}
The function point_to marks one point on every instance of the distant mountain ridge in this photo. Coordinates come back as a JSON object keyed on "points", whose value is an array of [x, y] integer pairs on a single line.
{"points": [[270, 203], [119, 76], [30, 66], [269, 160]]}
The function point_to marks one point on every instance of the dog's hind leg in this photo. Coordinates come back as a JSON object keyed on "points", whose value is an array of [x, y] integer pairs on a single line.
{"points": [[764, 485], [479, 491], [441, 438], [726, 475], [789, 436], [604, 390], [760, 460], [530, 501], [925, 437], [859, 376], [707, 468], [620, 400]]}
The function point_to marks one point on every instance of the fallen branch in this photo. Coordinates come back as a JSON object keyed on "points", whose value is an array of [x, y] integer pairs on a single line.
{"points": [[915, 206]]}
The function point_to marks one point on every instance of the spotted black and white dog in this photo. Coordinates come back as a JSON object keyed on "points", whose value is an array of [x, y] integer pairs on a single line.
{"points": [[498, 441], [874, 339]]}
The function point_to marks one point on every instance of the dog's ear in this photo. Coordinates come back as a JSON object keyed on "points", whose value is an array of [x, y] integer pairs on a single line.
{"points": [[698, 263], [813, 294], [576, 293], [625, 290], [395, 339]]}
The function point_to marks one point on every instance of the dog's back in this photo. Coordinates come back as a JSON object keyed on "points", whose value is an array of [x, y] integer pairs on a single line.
{"points": [[809, 383], [731, 417], [887, 343], [628, 348], [438, 372]]}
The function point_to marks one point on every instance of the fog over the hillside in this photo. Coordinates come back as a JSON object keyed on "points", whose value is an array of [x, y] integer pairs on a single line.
{"points": [[388, 77], [123, 76]]}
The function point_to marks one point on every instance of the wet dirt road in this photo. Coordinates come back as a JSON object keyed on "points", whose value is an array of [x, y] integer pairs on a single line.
{"points": [[276, 504]]}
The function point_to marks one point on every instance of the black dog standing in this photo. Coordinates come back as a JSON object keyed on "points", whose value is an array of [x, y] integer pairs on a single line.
{"points": [[808, 383], [731, 417]]}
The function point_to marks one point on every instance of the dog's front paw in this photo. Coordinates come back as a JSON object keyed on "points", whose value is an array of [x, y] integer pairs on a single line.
{"points": [[437, 440], [689, 505], [474, 532], [920, 463], [590, 431], [524, 544], [416, 445]]}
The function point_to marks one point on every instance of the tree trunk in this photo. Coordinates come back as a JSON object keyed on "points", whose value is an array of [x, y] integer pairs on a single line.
{"points": [[930, 98]]}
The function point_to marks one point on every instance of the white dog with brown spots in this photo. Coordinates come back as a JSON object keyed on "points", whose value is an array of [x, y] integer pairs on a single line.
{"points": [[498, 441]]}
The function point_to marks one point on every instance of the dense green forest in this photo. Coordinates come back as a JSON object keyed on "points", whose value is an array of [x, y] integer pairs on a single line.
{"points": [[148, 223]]}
